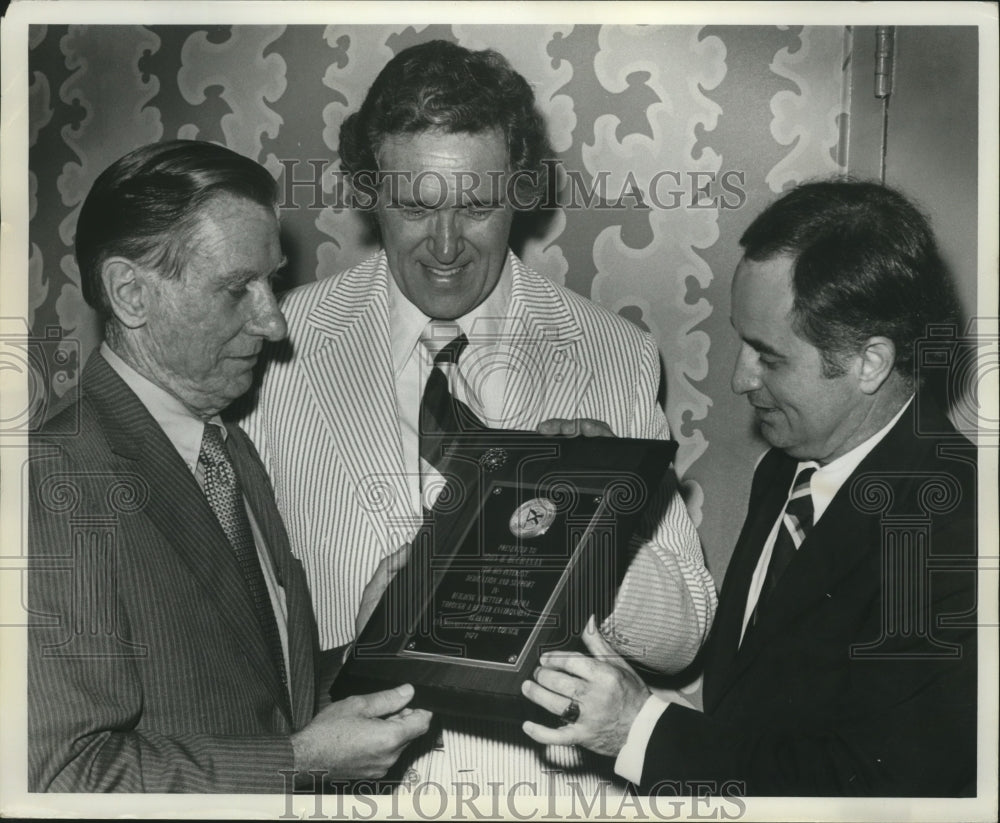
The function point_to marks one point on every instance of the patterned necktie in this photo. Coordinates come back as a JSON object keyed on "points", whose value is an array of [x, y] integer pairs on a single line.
{"points": [[442, 415], [796, 522], [225, 496]]}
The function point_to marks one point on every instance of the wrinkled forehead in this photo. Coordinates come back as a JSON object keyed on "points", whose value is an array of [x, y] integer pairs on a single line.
{"points": [[444, 169]]}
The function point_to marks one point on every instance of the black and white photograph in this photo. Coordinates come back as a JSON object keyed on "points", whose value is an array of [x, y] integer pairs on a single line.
{"points": [[464, 410]]}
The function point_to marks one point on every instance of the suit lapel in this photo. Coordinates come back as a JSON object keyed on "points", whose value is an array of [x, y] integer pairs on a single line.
{"points": [[351, 378], [541, 347], [178, 509], [261, 499], [825, 556], [766, 500]]}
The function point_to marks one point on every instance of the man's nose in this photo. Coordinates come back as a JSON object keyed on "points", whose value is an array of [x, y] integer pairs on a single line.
{"points": [[268, 321], [746, 373], [446, 239]]}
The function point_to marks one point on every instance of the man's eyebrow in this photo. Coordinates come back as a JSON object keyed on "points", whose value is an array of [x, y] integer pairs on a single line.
{"points": [[761, 347], [408, 202], [757, 345], [484, 202], [242, 275], [236, 275]]}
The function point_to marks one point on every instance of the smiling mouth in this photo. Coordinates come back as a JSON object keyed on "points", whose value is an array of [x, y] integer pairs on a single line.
{"points": [[444, 273]]}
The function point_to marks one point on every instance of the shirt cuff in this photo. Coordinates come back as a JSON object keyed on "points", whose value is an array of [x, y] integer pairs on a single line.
{"points": [[633, 754]]}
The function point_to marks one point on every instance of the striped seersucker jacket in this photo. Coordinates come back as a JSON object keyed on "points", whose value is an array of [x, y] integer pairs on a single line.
{"points": [[325, 424]]}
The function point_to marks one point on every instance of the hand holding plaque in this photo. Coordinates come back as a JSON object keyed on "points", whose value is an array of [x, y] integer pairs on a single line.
{"points": [[528, 540]]}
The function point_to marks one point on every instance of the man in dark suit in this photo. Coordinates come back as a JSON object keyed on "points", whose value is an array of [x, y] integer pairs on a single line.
{"points": [[172, 642], [843, 656]]}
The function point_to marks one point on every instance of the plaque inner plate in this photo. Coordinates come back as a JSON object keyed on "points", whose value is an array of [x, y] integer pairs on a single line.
{"points": [[494, 593]]}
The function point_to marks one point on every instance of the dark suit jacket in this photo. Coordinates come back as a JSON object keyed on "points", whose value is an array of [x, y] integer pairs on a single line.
{"points": [[147, 669], [860, 675]]}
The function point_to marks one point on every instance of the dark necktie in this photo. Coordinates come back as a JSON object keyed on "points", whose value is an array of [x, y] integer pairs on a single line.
{"points": [[442, 415], [225, 496], [796, 522]]}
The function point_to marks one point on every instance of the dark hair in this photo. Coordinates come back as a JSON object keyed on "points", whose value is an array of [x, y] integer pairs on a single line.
{"points": [[144, 207], [441, 86], [866, 264]]}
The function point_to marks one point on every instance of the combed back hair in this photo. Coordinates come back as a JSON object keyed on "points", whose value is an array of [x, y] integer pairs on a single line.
{"points": [[866, 264], [441, 86], [144, 207]]}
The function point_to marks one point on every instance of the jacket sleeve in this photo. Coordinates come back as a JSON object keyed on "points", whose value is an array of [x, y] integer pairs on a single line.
{"points": [[90, 726], [667, 597]]}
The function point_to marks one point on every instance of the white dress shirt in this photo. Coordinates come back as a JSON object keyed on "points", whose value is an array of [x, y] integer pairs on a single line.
{"points": [[185, 431], [484, 326], [823, 487], [470, 747]]}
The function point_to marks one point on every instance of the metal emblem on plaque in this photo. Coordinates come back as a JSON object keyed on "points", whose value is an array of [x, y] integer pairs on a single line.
{"points": [[533, 518]]}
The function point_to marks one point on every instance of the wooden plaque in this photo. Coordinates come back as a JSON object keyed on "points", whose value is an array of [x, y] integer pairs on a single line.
{"points": [[530, 537]]}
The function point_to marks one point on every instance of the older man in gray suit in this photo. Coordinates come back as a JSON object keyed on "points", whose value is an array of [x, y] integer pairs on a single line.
{"points": [[172, 641]]}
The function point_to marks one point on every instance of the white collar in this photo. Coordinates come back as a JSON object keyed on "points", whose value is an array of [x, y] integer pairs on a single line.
{"points": [[828, 479], [182, 428], [484, 323]]}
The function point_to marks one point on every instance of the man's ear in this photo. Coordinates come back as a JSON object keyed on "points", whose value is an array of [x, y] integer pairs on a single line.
{"points": [[126, 287], [877, 360]]}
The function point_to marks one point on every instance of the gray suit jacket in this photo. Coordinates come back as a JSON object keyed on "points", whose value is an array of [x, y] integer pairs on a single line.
{"points": [[147, 671]]}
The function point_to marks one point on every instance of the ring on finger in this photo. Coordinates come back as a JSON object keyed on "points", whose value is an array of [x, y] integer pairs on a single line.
{"points": [[571, 713]]}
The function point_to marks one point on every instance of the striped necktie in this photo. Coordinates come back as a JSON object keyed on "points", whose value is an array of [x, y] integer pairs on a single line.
{"points": [[796, 521], [225, 496], [442, 415]]}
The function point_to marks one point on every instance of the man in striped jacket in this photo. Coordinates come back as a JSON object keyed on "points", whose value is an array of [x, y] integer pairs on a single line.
{"points": [[445, 148]]}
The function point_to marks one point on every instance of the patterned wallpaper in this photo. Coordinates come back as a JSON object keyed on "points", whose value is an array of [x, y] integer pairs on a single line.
{"points": [[689, 131]]}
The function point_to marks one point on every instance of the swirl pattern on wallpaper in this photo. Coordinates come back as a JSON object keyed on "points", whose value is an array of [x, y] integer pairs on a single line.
{"points": [[623, 104], [107, 84], [357, 56], [657, 277], [259, 81], [808, 120]]}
